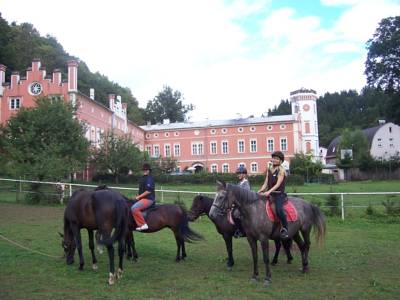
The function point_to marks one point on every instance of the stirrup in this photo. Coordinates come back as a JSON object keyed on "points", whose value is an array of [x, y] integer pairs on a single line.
{"points": [[284, 234], [143, 227]]}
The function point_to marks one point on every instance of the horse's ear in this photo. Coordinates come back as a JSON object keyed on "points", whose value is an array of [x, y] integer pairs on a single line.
{"points": [[221, 185], [61, 234]]}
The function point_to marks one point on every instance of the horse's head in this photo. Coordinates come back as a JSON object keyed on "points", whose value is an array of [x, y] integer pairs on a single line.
{"points": [[197, 208], [68, 244], [222, 203]]}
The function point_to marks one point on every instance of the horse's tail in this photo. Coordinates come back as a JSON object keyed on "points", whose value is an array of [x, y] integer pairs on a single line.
{"points": [[318, 220], [120, 224], [184, 230]]}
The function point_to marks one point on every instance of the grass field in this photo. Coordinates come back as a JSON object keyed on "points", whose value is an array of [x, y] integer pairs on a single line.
{"points": [[360, 260]]}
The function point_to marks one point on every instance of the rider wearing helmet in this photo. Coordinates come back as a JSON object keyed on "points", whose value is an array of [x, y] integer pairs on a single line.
{"points": [[244, 184], [275, 185], [145, 198], [242, 176]]}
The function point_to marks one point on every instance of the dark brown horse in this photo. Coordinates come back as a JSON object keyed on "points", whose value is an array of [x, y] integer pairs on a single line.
{"points": [[201, 206], [258, 227], [104, 210], [172, 216]]}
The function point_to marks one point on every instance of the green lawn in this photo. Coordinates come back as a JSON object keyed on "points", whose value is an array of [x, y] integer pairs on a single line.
{"points": [[358, 261]]}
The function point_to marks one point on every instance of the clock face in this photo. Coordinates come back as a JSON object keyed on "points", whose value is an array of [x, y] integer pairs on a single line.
{"points": [[306, 107], [35, 88]]}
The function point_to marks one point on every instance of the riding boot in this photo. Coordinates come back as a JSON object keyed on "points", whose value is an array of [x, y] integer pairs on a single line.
{"points": [[284, 233]]}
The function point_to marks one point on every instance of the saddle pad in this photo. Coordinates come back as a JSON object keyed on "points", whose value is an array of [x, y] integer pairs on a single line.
{"points": [[290, 211]]}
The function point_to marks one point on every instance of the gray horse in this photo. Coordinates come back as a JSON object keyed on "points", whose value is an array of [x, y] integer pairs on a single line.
{"points": [[259, 227]]}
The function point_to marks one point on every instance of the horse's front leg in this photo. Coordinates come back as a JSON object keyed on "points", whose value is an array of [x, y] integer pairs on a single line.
{"points": [[228, 244], [253, 246], [91, 247], [287, 244], [265, 250], [277, 250], [78, 241]]}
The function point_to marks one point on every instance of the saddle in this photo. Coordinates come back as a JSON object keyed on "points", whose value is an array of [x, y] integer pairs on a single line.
{"points": [[290, 211]]}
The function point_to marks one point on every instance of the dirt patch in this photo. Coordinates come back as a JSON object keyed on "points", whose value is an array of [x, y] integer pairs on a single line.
{"points": [[20, 213]]}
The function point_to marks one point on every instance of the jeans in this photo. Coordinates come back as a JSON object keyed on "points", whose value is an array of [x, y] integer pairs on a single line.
{"points": [[279, 199]]}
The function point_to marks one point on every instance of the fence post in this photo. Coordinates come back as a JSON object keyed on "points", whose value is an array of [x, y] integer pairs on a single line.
{"points": [[70, 190], [162, 195], [342, 204]]}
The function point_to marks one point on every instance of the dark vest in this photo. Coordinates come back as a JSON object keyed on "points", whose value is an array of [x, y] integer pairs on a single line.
{"points": [[273, 179]]}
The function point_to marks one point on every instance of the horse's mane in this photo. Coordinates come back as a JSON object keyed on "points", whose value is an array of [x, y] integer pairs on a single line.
{"points": [[245, 195]]}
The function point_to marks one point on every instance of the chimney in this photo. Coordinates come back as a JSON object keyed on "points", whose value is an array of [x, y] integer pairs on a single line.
{"points": [[148, 123], [91, 93], [119, 98], [381, 122], [166, 121], [72, 76], [36, 64], [3, 69], [111, 99], [14, 78], [57, 76]]}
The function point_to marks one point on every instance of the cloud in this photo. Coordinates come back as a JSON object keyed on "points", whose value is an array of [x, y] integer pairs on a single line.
{"points": [[208, 51]]}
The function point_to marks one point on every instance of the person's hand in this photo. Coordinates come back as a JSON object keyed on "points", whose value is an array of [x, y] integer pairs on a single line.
{"points": [[267, 193]]}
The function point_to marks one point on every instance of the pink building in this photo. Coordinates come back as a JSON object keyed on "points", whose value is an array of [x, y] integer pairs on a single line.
{"points": [[216, 146]]}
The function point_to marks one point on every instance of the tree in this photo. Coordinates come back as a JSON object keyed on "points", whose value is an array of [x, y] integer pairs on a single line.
{"points": [[284, 108], [302, 164], [358, 143], [46, 141], [117, 155], [382, 66], [167, 105]]}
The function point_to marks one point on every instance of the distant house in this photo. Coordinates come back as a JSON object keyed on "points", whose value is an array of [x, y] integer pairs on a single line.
{"points": [[384, 142]]}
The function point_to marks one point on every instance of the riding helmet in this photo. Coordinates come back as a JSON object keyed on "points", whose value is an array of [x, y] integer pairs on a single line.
{"points": [[279, 155], [146, 166], [241, 170]]}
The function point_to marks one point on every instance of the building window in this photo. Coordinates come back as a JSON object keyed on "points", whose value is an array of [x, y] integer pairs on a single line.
{"points": [[391, 146], [225, 148], [213, 131], [213, 147], [270, 145], [253, 146], [214, 168], [15, 103], [240, 129], [167, 150], [390, 129], [283, 144], [242, 165], [380, 145], [224, 130], [254, 167], [225, 168], [148, 150], [379, 140], [270, 127], [156, 135], [166, 134], [307, 127], [282, 126], [252, 129], [177, 150], [197, 149], [176, 133], [241, 146], [156, 151]]}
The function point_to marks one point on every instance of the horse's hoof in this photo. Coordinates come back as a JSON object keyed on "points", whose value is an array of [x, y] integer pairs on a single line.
{"points": [[119, 273], [253, 279], [289, 261], [94, 267], [304, 270], [111, 279], [229, 268], [177, 259], [80, 267], [274, 263], [267, 282]]}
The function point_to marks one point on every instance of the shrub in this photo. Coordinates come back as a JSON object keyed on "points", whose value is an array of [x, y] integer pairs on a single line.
{"points": [[392, 207], [333, 204]]}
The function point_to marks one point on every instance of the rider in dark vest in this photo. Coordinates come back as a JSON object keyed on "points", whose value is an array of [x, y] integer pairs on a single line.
{"points": [[275, 185], [244, 184], [145, 198]]}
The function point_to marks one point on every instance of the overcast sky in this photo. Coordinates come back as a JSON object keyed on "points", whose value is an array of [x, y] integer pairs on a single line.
{"points": [[225, 57]]}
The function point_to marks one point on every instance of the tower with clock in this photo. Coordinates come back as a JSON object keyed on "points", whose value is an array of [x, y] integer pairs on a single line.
{"points": [[304, 107]]}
